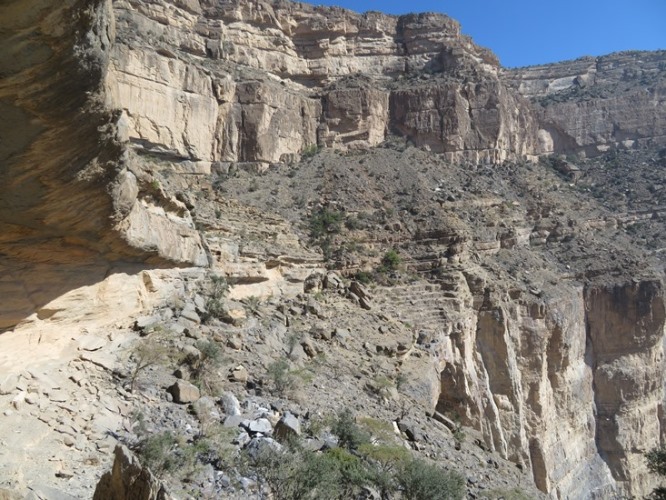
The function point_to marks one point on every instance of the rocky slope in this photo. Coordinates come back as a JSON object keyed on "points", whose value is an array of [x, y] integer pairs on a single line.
{"points": [[527, 302]]}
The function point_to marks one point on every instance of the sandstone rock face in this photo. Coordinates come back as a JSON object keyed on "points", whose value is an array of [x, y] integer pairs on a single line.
{"points": [[591, 105]]}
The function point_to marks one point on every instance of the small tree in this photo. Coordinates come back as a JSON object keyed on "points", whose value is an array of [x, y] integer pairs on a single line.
{"points": [[215, 307], [421, 480], [391, 260], [146, 353], [350, 435], [656, 462]]}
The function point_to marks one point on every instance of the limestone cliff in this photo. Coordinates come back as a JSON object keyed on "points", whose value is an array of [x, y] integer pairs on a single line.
{"points": [[262, 81], [571, 387], [544, 320], [74, 204], [595, 104]]}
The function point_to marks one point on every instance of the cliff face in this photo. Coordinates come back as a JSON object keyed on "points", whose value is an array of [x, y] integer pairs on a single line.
{"points": [[74, 204], [261, 82], [148, 115], [595, 104], [570, 387]]}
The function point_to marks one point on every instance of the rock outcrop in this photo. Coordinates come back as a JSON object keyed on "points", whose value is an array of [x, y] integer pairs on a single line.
{"points": [[595, 104], [74, 204], [129, 480], [570, 387]]}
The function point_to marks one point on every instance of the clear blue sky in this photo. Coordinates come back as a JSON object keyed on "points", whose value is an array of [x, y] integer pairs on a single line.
{"points": [[523, 32]]}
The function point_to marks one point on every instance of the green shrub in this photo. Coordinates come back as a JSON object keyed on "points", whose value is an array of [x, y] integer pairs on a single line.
{"points": [[204, 369], [363, 277], [391, 261], [310, 151], [218, 289], [380, 429], [146, 353], [420, 480], [158, 452], [301, 474], [353, 223], [252, 303], [281, 377], [350, 435], [325, 222], [389, 457], [656, 462]]}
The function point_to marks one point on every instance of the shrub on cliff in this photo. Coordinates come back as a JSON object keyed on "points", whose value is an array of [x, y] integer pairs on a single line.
{"points": [[656, 459]]}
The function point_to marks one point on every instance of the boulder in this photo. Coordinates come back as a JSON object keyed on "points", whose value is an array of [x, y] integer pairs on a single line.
{"points": [[239, 374], [230, 404], [183, 392], [260, 426], [288, 427], [128, 480]]}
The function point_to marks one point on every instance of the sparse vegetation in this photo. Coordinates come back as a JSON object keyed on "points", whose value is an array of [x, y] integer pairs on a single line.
{"points": [[350, 435], [343, 471], [325, 222], [252, 304], [656, 462], [310, 151], [420, 480], [146, 353], [281, 377], [204, 369], [391, 261], [158, 452], [218, 289]]}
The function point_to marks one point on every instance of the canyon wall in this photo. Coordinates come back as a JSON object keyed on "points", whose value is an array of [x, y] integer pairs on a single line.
{"points": [[567, 382], [570, 387], [595, 104], [74, 205], [265, 81]]}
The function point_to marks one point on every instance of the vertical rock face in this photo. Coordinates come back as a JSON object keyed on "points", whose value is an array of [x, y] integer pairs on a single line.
{"points": [[73, 205], [591, 105], [571, 387], [479, 121], [626, 330], [263, 81]]}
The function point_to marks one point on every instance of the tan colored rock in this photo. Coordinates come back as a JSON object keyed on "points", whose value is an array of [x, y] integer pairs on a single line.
{"points": [[239, 374], [129, 480], [595, 104], [355, 117], [481, 121], [577, 377], [65, 181], [183, 392]]}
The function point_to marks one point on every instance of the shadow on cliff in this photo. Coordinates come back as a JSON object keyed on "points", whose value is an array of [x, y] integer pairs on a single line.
{"points": [[43, 290]]}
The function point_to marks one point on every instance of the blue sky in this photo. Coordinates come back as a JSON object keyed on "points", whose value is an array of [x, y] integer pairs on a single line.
{"points": [[523, 32]]}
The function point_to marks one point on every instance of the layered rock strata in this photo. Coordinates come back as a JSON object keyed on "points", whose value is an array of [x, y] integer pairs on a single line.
{"points": [[264, 81], [74, 205], [595, 104]]}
